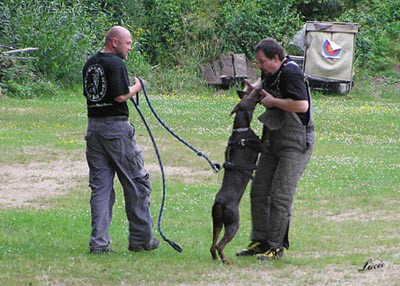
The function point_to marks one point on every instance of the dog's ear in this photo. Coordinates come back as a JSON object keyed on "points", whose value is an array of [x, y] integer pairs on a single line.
{"points": [[241, 93]]}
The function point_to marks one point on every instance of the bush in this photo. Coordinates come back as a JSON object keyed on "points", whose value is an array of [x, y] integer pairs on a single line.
{"points": [[175, 37], [320, 10], [64, 33], [378, 47], [180, 36], [243, 24], [20, 78], [206, 29]]}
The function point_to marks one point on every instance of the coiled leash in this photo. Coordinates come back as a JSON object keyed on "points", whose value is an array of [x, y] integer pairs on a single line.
{"points": [[216, 167], [173, 244]]}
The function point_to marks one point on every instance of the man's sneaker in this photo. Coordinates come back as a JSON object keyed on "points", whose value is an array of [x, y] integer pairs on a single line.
{"points": [[254, 248], [271, 254], [151, 245], [101, 250]]}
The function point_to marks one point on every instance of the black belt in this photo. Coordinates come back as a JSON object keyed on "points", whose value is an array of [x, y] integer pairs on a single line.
{"points": [[108, 119]]}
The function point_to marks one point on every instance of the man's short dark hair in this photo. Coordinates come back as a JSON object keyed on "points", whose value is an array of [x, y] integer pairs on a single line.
{"points": [[270, 47]]}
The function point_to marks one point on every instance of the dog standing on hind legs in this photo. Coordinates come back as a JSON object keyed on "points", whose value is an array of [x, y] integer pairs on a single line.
{"points": [[240, 161]]}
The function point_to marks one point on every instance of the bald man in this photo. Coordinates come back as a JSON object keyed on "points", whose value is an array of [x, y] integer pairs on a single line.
{"points": [[111, 147]]}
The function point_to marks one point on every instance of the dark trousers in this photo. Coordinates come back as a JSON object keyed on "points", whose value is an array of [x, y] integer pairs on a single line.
{"points": [[272, 194]]}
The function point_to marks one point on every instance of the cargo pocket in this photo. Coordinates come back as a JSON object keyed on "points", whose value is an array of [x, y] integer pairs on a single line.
{"points": [[136, 162], [112, 140], [131, 132], [111, 135], [144, 186]]}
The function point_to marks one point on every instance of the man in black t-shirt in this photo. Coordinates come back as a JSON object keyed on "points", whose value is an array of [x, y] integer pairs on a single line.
{"points": [[111, 147], [288, 134]]}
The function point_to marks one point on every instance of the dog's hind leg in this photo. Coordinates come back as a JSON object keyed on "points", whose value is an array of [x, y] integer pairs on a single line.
{"points": [[217, 214], [231, 228]]}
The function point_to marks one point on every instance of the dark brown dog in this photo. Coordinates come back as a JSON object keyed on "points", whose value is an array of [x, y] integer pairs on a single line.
{"points": [[240, 161]]}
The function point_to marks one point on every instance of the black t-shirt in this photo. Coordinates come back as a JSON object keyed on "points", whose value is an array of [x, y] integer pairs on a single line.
{"points": [[289, 81], [105, 78]]}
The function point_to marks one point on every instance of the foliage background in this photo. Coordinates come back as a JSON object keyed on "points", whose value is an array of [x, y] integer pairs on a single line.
{"points": [[173, 38], [348, 200]]}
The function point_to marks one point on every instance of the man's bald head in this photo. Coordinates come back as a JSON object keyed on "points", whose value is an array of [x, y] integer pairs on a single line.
{"points": [[118, 41], [116, 32]]}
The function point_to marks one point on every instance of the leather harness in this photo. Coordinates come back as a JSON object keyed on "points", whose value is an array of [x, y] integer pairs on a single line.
{"points": [[240, 143]]}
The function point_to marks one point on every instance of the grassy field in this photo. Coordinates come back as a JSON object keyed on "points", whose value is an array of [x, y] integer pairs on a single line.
{"points": [[346, 208]]}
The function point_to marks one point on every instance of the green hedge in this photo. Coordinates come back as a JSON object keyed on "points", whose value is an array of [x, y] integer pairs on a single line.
{"points": [[178, 36]]}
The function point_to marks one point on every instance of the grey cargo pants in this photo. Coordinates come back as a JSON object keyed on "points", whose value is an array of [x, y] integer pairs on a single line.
{"points": [[111, 148]]}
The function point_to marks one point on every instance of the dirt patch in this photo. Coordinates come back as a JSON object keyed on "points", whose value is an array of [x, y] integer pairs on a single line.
{"points": [[182, 174], [29, 185], [24, 185]]}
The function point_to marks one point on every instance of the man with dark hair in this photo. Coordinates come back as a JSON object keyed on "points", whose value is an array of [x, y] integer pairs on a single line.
{"points": [[111, 147], [288, 134]]}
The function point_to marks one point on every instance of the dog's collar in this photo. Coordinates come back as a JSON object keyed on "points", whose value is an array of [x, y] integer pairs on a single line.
{"points": [[244, 141], [238, 130]]}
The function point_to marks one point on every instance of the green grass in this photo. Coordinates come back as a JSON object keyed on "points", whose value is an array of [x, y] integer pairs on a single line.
{"points": [[345, 210]]}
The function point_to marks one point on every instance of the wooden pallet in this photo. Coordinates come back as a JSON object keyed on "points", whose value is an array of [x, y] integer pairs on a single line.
{"points": [[229, 70]]}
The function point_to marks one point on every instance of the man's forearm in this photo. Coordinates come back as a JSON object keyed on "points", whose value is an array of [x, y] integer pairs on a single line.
{"points": [[133, 89], [287, 104]]}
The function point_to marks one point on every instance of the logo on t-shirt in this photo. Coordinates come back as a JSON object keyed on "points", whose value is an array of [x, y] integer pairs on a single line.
{"points": [[95, 83]]}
